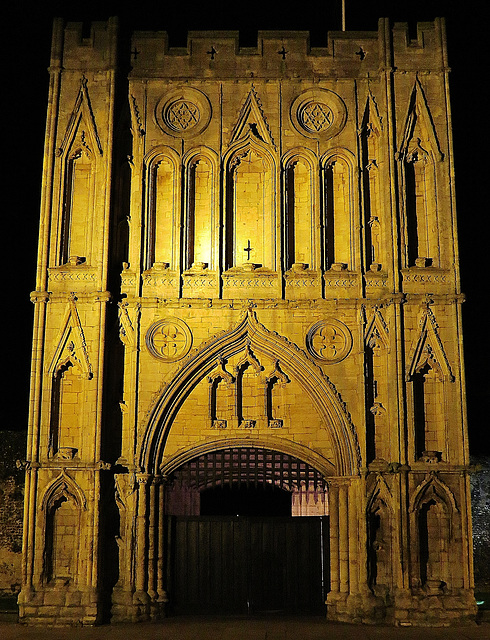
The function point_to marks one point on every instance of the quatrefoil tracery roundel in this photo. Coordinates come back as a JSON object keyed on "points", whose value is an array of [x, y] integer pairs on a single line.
{"points": [[329, 341], [169, 339]]}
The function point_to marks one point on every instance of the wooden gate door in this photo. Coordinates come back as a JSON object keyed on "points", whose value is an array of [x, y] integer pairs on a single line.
{"points": [[222, 564]]}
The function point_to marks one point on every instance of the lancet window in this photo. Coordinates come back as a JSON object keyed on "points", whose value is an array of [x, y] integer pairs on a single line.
{"points": [[379, 547], [299, 222], [77, 207], [162, 199], [62, 530], [420, 204], [250, 230], [376, 375], [274, 396], [433, 532], [221, 396], [65, 410], [337, 213], [198, 244], [429, 409]]}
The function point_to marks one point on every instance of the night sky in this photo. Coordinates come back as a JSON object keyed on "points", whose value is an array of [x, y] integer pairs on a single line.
{"points": [[25, 57]]}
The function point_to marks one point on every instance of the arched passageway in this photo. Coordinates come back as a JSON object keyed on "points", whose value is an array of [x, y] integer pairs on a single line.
{"points": [[241, 537]]}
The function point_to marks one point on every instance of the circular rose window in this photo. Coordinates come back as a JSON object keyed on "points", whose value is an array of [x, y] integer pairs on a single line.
{"points": [[318, 113], [183, 113], [316, 117]]}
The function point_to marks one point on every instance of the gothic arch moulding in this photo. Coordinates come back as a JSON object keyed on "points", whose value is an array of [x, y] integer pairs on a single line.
{"points": [[294, 449], [427, 348], [202, 361], [63, 504], [252, 121], [63, 487], [71, 345]]}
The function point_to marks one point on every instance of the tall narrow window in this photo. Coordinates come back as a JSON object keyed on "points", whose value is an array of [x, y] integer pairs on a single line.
{"points": [[246, 395], [337, 213], [299, 214], [65, 427], [429, 410], [434, 540], [62, 526], [250, 208], [370, 179], [77, 213], [198, 245], [420, 205], [161, 214]]}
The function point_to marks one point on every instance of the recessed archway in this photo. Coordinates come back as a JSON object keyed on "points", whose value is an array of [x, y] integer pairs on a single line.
{"points": [[234, 544]]}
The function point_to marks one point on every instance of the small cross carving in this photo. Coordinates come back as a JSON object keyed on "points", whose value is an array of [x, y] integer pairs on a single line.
{"points": [[282, 52], [212, 53], [135, 53], [361, 53], [248, 249]]}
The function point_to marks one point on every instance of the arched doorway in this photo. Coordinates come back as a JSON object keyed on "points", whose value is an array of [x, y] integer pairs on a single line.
{"points": [[247, 532]]}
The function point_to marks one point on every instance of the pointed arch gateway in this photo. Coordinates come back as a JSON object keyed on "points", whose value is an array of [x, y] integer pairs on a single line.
{"points": [[277, 457], [313, 382]]}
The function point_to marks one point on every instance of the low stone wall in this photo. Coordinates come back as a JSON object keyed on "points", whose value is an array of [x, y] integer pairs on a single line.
{"points": [[480, 501], [12, 448]]}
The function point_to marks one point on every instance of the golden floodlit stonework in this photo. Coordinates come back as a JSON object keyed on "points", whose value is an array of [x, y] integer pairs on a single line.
{"points": [[248, 275]]}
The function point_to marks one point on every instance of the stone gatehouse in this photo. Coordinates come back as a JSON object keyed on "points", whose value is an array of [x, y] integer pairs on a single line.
{"points": [[247, 386]]}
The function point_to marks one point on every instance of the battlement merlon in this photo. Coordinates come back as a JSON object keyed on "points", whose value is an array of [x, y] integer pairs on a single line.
{"points": [[277, 53], [72, 49], [287, 53]]}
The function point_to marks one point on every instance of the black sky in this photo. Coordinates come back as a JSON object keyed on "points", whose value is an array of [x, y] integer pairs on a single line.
{"points": [[25, 54]]}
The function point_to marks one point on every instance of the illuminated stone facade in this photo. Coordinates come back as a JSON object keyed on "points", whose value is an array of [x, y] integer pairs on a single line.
{"points": [[248, 248]]}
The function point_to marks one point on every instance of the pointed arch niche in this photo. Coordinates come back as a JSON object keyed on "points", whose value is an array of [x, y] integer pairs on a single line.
{"points": [[376, 373], [63, 505], [162, 221], [429, 374], [300, 241], [381, 554], [434, 513], [70, 369], [78, 203], [65, 424], [370, 156], [79, 152], [250, 207], [419, 154]]}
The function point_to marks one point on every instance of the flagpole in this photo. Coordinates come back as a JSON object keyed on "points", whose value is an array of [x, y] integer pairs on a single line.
{"points": [[343, 15]]}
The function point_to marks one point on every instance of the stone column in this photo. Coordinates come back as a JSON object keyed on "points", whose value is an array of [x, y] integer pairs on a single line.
{"points": [[152, 532], [162, 551], [140, 597], [333, 497], [343, 538], [354, 524]]}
